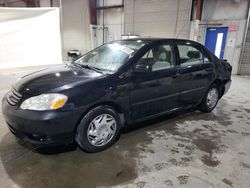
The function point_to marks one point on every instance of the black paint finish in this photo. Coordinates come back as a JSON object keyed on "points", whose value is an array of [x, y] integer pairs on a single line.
{"points": [[135, 96]]}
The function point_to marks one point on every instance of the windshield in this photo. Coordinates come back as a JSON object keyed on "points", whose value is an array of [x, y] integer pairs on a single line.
{"points": [[111, 56]]}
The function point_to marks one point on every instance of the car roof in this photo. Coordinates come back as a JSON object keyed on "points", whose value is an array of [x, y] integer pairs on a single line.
{"points": [[152, 40], [149, 40]]}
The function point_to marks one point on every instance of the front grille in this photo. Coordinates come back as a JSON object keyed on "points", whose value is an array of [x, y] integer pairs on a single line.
{"points": [[13, 97]]}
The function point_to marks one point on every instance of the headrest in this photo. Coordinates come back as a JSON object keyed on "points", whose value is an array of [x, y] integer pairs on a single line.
{"points": [[193, 54], [163, 56]]}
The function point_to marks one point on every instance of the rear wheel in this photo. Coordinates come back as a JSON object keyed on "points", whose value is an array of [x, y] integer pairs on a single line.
{"points": [[99, 129], [211, 99]]}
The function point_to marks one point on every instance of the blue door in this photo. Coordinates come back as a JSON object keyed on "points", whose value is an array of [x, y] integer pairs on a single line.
{"points": [[216, 40]]}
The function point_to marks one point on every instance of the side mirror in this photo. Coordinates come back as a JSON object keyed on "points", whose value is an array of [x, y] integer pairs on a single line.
{"points": [[74, 54], [142, 68]]}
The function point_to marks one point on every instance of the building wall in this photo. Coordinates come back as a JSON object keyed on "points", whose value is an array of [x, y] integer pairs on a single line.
{"points": [[224, 9], [75, 26], [29, 37], [225, 13], [245, 55], [113, 19], [162, 18], [12, 3]]}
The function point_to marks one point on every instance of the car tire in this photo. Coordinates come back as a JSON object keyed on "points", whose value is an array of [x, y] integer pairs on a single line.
{"points": [[210, 99], [98, 129]]}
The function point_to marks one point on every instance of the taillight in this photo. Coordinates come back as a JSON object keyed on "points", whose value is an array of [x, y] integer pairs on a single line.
{"points": [[226, 65]]}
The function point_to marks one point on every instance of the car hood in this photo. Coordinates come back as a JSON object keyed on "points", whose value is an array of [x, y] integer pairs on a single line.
{"points": [[54, 79]]}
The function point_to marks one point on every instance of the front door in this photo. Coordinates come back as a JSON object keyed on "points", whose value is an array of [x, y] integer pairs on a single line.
{"points": [[155, 92], [216, 40]]}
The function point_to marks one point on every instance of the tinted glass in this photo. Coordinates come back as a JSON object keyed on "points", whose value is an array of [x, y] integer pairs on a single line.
{"points": [[190, 55], [159, 58]]}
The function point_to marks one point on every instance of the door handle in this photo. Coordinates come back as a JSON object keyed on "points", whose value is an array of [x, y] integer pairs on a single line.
{"points": [[176, 75], [209, 69]]}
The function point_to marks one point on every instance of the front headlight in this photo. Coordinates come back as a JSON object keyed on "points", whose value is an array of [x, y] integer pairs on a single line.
{"points": [[50, 101]]}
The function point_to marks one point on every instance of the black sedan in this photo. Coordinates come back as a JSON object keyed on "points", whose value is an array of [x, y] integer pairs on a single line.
{"points": [[92, 98]]}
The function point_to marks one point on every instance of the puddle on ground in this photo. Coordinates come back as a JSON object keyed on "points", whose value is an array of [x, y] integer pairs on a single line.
{"points": [[209, 147], [73, 168], [205, 145], [118, 164]]}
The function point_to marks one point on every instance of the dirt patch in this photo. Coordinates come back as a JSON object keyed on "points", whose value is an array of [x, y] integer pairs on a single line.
{"points": [[210, 161], [140, 184], [228, 182], [245, 165], [145, 169], [232, 131], [174, 150], [235, 110], [180, 145], [181, 163], [242, 153], [247, 110], [221, 149], [245, 134], [168, 183], [183, 179], [197, 130], [159, 166]]}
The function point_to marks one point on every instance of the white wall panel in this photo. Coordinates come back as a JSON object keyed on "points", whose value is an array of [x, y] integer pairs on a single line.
{"points": [[29, 37]]}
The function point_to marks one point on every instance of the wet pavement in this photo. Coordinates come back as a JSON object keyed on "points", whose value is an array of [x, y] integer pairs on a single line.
{"points": [[189, 149]]}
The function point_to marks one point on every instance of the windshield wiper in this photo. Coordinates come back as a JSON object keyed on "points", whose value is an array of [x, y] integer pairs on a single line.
{"points": [[76, 64], [93, 68], [99, 70], [87, 67]]}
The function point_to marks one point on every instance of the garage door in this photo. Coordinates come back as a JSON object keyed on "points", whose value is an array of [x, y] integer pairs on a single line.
{"points": [[245, 63], [157, 18]]}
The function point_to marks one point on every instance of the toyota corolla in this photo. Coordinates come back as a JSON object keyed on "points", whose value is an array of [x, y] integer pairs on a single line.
{"points": [[90, 99]]}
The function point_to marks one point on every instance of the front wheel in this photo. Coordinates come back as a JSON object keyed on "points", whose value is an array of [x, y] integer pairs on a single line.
{"points": [[210, 100], [98, 129]]}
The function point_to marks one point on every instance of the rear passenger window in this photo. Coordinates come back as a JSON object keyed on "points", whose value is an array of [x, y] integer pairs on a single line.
{"points": [[190, 55], [159, 58]]}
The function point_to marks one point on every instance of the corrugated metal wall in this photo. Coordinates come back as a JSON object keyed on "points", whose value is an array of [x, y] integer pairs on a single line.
{"points": [[245, 63], [113, 19], [158, 18], [75, 26]]}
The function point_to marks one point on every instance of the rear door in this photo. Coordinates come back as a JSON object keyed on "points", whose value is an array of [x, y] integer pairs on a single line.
{"points": [[155, 92], [195, 72]]}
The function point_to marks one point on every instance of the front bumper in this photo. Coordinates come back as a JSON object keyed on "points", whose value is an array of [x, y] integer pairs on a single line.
{"points": [[227, 86], [41, 127]]}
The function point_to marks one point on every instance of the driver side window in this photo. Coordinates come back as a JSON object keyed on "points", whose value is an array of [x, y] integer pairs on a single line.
{"points": [[159, 58]]}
